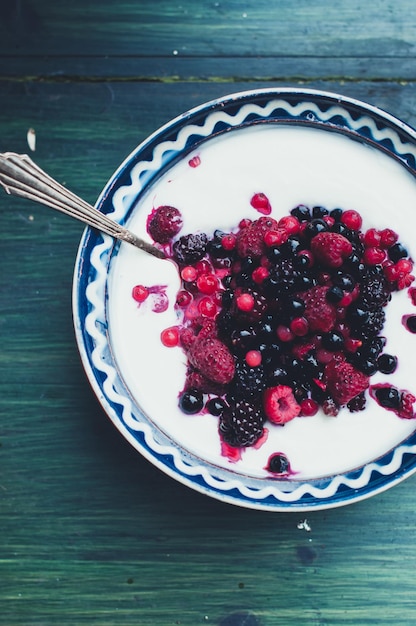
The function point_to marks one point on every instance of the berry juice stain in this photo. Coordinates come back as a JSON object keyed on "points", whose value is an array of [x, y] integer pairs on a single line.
{"points": [[156, 295], [412, 295], [398, 401]]}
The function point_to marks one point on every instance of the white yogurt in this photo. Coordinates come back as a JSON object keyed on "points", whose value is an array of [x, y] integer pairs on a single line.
{"points": [[291, 165]]}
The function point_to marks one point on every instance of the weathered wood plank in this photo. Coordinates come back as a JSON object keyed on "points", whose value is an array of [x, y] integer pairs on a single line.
{"points": [[319, 30], [91, 533], [228, 69]]}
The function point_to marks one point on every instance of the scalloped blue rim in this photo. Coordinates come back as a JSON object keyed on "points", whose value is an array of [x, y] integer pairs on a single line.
{"points": [[355, 119]]}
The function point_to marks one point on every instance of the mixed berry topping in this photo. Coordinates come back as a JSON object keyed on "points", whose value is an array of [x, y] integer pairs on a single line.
{"points": [[283, 317]]}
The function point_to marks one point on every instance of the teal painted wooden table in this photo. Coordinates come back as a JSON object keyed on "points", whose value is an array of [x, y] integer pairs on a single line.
{"points": [[90, 532]]}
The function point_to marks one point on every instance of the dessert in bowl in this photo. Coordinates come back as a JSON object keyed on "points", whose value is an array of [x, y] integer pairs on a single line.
{"points": [[286, 217]]}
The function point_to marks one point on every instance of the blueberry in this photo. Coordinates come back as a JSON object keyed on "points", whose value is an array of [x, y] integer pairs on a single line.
{"points": [[387, 363], [411, 323], [333, 341], [215, 406], [278, 464], [294, 307], [291, 246], [315, 227], [388, 397], [345, 281], [367, 366], [216, 249], [302, 212], [396, 252], [191, 401], [274, 253], [341, 229], [336, 214], [319, 211], [334, 294]]}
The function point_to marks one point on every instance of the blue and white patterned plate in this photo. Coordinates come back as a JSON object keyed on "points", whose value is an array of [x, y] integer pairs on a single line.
{"points": [[297, 146]]}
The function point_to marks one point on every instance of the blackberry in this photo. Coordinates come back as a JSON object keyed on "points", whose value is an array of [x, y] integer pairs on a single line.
{"points": [[243, 339], [282, 278], [357, 403], [374, 290], [248, 381], [241, 424], [189, 249], [366, 323], [374, 325], [225, 324]]}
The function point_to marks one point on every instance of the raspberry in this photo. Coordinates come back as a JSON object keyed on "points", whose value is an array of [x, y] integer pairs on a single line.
{"points": [[190, 248], [344, 381], [250, 240], [164, 223], [280, 405], [320, 314], [331, 248], [406, 405], [241, 424], [212, 357]]}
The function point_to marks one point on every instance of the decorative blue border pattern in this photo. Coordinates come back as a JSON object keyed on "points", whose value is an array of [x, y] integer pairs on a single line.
{"points": [[327, 111]]}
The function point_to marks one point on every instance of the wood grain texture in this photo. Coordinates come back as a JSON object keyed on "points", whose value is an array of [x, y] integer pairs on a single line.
{"points": [[53, 38], [90, 532]]}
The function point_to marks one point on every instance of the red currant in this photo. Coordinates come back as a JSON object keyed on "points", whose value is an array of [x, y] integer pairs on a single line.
{"points": [[207, 284], [309, 407], [374, 256], [284, 333], [275, 237], [372, 238], [189, 274], [253, 358], [183, 298], [352, 219], [228, 241], [245, 302], [261, 203], [388, 238], [260, 274], [299, 326], [404, 266], [290, 224], [170, 337], [140, 293], [207, 307]]}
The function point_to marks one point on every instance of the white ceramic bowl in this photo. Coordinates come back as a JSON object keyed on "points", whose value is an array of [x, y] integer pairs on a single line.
{"points": [[296, 146]]}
